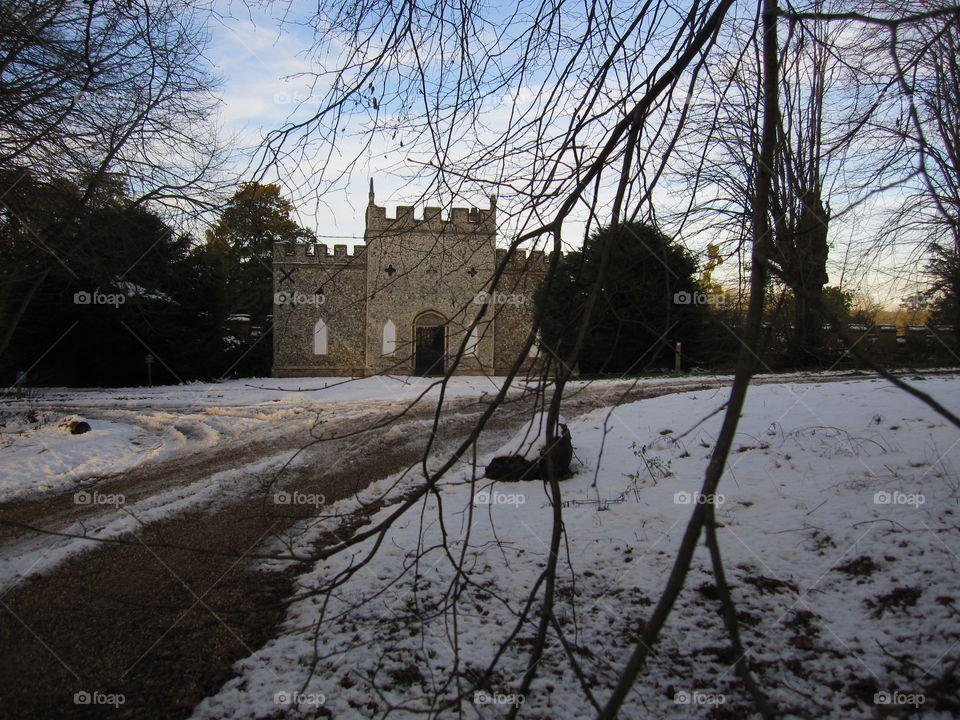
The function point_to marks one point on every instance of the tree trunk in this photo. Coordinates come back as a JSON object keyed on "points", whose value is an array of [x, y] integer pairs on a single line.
{"points": [[7, 334], [805, 271]]}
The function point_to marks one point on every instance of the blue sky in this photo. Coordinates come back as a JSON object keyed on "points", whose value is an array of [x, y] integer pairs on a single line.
{"points": [[265, 69], [263, 64], [266, 65]]}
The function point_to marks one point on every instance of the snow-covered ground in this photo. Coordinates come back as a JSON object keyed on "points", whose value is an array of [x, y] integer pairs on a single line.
{"points": [[838, 528], [252, 392], [130, 426], [38, 455], [112, 516]]}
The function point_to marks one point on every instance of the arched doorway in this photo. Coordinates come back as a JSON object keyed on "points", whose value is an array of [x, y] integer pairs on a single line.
{"points": [[430, 335]]}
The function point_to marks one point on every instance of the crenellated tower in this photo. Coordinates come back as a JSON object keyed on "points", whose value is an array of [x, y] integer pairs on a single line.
{"points": [[405, 301]]}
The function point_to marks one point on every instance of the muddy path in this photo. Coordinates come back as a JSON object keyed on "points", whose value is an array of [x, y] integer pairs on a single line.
{"points": [[160, 626]]}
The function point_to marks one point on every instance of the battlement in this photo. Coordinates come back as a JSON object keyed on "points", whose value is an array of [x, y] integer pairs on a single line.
{"points": [[314, 253], [461, 220], [521, 262]]}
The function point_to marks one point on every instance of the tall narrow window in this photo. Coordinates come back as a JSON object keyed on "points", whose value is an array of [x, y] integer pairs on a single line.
{"points": [[471, 346], [320, 338], [389, 337], [535, 348]]}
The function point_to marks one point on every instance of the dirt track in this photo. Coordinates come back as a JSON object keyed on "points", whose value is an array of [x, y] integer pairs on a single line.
{"points": [[162, 626]]}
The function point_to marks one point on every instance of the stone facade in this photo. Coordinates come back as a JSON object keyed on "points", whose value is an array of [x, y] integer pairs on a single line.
{"points": [[404, 301]]}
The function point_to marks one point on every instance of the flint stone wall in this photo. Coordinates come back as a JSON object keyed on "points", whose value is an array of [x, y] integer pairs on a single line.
{"points": [[410, 268]]}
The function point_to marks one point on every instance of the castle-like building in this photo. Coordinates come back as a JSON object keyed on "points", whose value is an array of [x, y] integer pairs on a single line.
{"points": [[404, 301]]}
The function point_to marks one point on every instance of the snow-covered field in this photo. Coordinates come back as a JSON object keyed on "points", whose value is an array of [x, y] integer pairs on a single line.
{"points": [[839, 532], [134, 426], [130, 426]]}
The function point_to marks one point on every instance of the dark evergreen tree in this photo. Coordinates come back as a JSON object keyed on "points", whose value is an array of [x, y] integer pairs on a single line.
{"points": [[943, 268], [649, 301], [97, 286]]}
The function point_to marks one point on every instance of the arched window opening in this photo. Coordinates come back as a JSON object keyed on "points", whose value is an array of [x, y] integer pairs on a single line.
{"points": [[389, 337]]}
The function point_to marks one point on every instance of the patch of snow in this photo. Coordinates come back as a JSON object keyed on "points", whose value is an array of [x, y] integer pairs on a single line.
{"points": [[36, 459], [838, 523], [134, 425]]}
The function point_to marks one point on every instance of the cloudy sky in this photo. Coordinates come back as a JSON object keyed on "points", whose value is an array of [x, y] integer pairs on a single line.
{"points": [[263, 63], [266, 75]]}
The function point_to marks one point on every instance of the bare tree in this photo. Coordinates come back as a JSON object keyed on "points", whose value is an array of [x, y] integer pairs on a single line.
{"points": [[573, 114], [929, 78], [827, 153], [103, 96], [593, 104]]}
